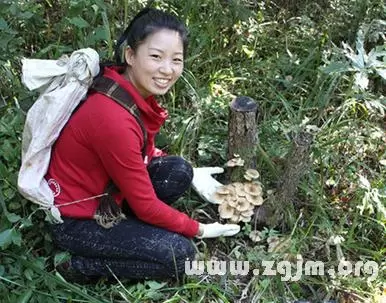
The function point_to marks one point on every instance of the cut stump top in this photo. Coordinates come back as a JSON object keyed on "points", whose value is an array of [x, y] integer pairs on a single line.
{"points": [[244, 104]]}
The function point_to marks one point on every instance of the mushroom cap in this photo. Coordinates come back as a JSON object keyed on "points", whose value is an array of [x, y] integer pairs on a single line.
{"points": [[243, 204], [233, 203], [252, 173], [236, 184], [231, 190], [248, 178], [272, 239], [222, 190], [247, 213], [240, 191], [245, 219], [235, 162], [235, 218], [254, 189], [218, 198], [254, 200], [225, 210], [255, 236]]}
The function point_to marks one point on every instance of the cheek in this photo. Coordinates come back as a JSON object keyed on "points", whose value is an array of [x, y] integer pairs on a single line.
{"points": [[179, 69]]}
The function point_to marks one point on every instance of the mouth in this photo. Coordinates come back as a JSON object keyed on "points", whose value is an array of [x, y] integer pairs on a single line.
{"points": [[162, 82]]}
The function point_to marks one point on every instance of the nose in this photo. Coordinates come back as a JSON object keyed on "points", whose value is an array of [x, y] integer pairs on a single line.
{"points": [[166, 67]]}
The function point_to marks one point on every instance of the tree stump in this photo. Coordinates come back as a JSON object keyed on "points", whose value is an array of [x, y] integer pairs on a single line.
{"points": [[279, 207], [242, 134]]}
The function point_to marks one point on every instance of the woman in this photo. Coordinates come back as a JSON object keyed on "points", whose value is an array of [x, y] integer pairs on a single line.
{"points": [[102, 143]]}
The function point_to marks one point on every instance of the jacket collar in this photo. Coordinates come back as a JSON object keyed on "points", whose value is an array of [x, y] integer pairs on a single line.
{"points": [[151, 112]]}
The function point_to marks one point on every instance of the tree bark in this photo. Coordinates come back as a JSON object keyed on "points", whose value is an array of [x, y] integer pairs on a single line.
{"points": [[242, 133], [279, 208]]}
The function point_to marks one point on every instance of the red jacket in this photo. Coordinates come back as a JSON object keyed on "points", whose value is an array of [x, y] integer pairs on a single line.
{"points": [[102, 141]]}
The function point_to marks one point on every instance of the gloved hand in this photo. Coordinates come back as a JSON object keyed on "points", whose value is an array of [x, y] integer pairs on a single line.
{"points": [[204, 184], [216, 229]]}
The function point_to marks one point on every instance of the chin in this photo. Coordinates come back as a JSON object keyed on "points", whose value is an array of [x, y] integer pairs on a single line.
{"points": [[160, 92]]}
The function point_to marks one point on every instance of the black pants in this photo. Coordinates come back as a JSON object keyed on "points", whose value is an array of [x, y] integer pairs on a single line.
{"points": [[132, 248]]}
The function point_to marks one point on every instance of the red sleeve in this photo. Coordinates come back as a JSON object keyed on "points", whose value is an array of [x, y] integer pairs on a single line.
{"points": [[118, 143]]}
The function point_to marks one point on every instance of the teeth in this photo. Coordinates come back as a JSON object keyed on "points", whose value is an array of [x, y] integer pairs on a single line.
{"points": [[162, 81]]}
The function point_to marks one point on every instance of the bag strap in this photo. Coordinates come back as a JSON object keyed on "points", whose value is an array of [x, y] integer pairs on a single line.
{"points": [[114, 91]]}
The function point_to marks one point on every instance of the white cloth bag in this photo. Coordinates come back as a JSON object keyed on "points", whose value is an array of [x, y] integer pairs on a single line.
{"points": [[62, 85]]}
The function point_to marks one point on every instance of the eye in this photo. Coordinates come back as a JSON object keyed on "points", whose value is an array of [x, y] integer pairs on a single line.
{"points": [[178, 60], [155, 56]]}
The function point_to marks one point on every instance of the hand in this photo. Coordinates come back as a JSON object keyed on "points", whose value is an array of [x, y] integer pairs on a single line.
{"points": [[204, 184], [216, 229]]}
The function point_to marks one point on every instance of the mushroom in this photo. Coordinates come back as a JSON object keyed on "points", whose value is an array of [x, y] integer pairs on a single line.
{"points": [[222, 190], [238, 200], [245, 219], [225, 210], [254, 200], [218, 198], [247, 213], [248, 178], [252, 173], [233, 203], [255, 236], [239, 189], [235, 162], [236, 184], [231, 193], [235, 218], [243, 205], [253, 189]]}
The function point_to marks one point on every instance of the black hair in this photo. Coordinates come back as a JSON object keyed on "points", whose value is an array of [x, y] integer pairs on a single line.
{"points": [[145, 23]]}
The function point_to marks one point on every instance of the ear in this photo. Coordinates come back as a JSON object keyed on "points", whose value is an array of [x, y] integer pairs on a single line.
{"points": [[129, 55]]}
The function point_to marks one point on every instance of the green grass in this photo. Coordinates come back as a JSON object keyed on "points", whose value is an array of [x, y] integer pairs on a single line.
{"points": [[273, 51]]}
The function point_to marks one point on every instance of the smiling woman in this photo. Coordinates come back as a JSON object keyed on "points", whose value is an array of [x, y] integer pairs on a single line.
{"points": [[116, 187], [156, 64]]}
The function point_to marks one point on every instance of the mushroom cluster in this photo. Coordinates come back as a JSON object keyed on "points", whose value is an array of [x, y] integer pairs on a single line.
{"points": [[238, 200]]}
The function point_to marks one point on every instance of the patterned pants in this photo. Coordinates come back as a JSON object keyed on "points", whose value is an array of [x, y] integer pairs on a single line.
{"points": [[132, 249]]}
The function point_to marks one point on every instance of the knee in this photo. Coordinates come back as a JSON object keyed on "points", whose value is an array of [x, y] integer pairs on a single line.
{"points": [[175, 166], [181, 250], [180, 164]]}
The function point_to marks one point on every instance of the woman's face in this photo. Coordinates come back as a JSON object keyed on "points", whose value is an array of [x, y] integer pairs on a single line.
{"points": [[156, 64]]}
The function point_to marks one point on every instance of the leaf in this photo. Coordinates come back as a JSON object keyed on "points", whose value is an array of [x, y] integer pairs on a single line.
{"points": [[13, 218], [155, 285], [336, 67], [381, 72], [3, 24], [79, 22], [361, 80], [24, 298], [5, 238], [99, 34], [28, 273], [16, 237], [26, 222], [4, 40]]}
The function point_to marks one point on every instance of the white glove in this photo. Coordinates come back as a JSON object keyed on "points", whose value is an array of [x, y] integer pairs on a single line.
{"points": [[216, 229], [204, 184]]}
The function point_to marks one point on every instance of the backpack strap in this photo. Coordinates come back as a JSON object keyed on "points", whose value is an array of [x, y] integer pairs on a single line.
{"points": [[114, 91]]}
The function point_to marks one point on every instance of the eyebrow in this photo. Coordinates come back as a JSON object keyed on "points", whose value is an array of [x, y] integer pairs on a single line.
{"points": [[161, 51]]}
